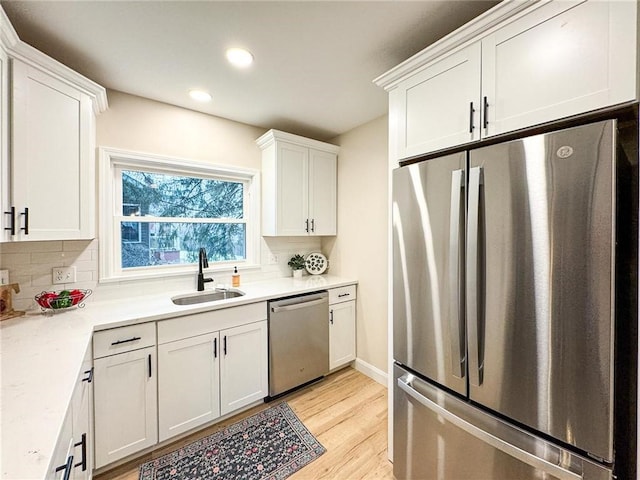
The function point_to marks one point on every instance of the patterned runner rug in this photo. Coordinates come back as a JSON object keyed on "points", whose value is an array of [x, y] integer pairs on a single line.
{"points": [[271, 444]]}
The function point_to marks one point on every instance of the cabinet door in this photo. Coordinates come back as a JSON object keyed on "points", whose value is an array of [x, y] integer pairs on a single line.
{"points": [[5, 200], [82, 403], [292, 170], [322, 192], [189, 365], [342, 334], [438, 107], [62, 458], [125, 404], [243, 366], [562, 59], [52, 166]]}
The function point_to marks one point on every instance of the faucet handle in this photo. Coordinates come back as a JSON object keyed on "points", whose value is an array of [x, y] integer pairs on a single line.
{"points": [[204, 261]]}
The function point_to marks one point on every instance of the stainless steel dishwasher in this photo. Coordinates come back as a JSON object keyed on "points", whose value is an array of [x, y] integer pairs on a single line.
{"points": [[298, 341]]}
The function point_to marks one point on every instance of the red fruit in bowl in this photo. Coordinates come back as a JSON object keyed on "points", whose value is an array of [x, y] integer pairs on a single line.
{"points": [[46, 298], [76, 296]]}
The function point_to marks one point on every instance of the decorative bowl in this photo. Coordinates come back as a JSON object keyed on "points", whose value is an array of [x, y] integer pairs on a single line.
{"points": [[62, 299], [316, 263]]}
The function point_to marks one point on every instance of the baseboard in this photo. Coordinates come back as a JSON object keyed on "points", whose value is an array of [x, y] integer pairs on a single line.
{"points": [[372, 372]]}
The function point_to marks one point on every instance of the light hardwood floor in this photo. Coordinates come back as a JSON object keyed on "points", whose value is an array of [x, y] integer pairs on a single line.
{"points": [[347, 413]]}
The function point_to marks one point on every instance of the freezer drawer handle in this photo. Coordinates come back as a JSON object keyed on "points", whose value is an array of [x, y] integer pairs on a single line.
{"points": [[297, 306], [486, 437], [473, 251], [456, 321]]}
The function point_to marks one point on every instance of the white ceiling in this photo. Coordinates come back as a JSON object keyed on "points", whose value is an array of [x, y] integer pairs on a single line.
{"points": [[314, 60]]}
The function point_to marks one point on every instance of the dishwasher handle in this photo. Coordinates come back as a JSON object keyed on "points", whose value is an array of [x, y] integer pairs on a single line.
{"points": [[296, 306]]}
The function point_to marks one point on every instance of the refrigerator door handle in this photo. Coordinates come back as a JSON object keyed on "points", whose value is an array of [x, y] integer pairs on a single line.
{"points": [[472, 288], [456, 321], [486, 437]]}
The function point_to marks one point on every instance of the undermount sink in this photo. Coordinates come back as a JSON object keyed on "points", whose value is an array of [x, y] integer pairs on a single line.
{"points": [[203, 297]]}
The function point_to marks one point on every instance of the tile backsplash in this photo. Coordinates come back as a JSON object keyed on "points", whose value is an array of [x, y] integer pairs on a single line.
{"points": [[30, 264]]}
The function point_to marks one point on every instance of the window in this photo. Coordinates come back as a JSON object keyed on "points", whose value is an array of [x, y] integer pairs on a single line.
{"points": [[164, 210]]}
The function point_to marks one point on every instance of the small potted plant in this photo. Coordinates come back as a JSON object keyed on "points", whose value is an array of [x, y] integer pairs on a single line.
{"points": [[297, 265]]}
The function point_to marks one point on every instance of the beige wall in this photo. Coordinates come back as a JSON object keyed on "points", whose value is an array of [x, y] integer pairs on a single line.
{"points": [[143, 125], [360, 249]]}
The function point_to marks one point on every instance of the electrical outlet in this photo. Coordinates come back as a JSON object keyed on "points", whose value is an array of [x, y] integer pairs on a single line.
{"points": [[4, 277], [273, 259], [64, 275]]}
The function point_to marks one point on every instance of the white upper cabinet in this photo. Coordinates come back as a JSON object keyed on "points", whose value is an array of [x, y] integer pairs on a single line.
{"points": [[323, 192], [440, 105], [299, 185], [517, 66], [52, 167], [561, 59], [47, 188]]}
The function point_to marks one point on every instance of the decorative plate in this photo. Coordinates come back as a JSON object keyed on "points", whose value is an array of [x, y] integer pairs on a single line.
{"points": [[316, 263]]}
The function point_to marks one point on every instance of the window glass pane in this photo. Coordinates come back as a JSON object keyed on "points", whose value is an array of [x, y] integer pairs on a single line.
{"points": [[178, 243], [160, 195]]}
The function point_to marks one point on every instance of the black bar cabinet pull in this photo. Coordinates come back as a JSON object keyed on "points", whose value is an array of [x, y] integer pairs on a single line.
{"points": [[26, 221], [471, 112], [307, 225], [66, 467], [132, 339], [331, 316], [149, 364], [12, 224], [83, 444], [340, 295], [89, 376], [485, 120], [215, 348], [313, 225], [224, 346]]}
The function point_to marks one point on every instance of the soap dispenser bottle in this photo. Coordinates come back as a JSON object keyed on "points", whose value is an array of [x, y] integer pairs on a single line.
{"points": [[235, 278]]}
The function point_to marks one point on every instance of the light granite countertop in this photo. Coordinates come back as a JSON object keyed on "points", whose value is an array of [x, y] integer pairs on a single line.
{"points": [[41, 356]]}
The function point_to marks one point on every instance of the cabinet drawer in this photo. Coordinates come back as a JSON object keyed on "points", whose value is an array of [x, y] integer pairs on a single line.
{"points": [[208, 322], [342, 294], [123, 339]]}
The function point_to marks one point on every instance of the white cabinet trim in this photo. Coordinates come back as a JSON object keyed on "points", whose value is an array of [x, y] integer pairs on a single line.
{"points": [[20, 50]]}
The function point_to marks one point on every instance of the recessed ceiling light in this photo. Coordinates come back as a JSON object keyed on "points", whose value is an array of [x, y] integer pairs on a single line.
{"points": [[200, 95], [239, 57]]}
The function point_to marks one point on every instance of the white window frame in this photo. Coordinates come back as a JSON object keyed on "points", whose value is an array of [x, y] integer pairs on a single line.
{"points": [[111, 163]]}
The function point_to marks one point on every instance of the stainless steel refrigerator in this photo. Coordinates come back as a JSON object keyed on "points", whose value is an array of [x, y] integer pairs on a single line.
{"points": [[507, 310]]}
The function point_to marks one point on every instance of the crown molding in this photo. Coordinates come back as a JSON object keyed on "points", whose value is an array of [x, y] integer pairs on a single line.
{"points": [[471, 31], [272, 135], [19, 50]]}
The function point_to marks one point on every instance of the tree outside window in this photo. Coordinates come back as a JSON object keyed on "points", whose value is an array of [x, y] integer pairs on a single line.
{"points": [[177, 215]]}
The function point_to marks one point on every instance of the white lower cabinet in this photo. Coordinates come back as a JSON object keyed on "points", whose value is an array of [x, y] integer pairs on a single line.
{"points": [[243, 366], [190, 365], [72, 456], [126, 413], [82, 420], [61, 465], [218, 357], [342, 326]]}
